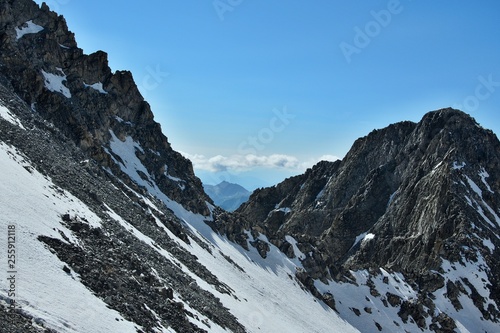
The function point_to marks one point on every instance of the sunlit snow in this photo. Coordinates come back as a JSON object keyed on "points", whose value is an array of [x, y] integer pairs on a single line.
{"points": [[35, 205], [96, 86], [28, 28], [54, 82], [10, 117]]}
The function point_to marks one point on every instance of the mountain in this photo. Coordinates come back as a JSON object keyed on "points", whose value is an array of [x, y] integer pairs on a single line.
{"points": [[403, 232], [227, 195], [107, 228]]}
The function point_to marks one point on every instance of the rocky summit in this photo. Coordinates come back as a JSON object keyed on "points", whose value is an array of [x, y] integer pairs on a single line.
{"points": [[107, 228], [414, 200]]}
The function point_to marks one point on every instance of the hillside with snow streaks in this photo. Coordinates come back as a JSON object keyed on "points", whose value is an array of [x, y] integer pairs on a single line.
{"points": [[403, 233], [262, 294], [32, 203], [265, 295]]}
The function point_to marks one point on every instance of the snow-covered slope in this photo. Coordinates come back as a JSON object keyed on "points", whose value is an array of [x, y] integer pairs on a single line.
{"points": [[262, 294], [34, 205]]}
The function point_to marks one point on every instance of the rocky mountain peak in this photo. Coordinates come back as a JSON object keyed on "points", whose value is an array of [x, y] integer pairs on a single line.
{"points": [[89, 103], [408, 198]]}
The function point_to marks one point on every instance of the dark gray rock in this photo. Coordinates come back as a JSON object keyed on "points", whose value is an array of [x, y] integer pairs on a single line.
{"points": [[406, 185], [88, 115]]}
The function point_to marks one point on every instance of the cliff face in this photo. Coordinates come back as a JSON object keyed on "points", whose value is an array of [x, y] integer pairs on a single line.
{"points": [[80, 95], [408, 198]]}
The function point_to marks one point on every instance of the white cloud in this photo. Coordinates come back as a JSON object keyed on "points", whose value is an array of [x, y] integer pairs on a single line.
{"points": [[242, 162], [220, 163]]}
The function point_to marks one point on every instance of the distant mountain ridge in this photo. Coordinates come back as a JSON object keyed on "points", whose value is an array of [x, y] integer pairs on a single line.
{"points": [[226, 195]]}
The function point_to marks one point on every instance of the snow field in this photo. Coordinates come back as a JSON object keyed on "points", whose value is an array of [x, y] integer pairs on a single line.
{"points": [[265, 297], [34, 205]]}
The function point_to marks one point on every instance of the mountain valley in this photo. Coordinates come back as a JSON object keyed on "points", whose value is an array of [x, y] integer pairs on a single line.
{"points": [[113, 231]]}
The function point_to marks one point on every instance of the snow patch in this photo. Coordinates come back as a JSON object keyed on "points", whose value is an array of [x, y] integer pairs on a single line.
{"points": [[28, 28], [358, 239], [10, 117], [321, 193], [54, 83], [489, 244], [363, 238], [368, 237], [286, 210], [175, 179], [484, 174], [96, 86], [391, 198], [474, 187], [120, 120], [299, 254], [129, 162], [436, 167]]}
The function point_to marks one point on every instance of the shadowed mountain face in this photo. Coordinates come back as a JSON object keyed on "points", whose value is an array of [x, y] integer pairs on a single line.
{"points": [[116, 234], [227, 195], [88, 103], [409, 198]]}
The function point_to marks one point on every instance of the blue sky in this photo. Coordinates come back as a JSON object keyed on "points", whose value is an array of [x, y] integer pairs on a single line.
{"points": [[256, 91]]}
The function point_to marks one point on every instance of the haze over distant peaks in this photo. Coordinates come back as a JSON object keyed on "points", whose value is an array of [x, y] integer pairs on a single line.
{"points": [[227, 195]]}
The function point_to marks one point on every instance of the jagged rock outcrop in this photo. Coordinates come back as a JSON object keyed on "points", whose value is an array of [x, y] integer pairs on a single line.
{"points": [[116, 265], [405, 198], [80, 95]]}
